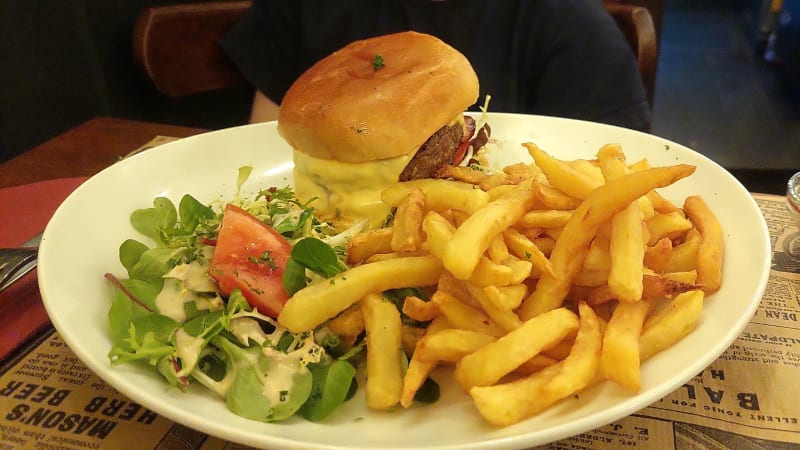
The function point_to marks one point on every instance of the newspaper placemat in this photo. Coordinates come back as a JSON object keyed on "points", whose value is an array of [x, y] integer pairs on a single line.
{"points": [[748, 398]]}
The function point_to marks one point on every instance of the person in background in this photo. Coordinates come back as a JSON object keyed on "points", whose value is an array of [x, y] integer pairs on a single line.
{"points": [[562, 58]]}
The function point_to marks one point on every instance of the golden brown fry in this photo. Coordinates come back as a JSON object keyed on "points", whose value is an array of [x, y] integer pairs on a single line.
{"points": [[688, 277], [509, 403], [627, 248], [591, 278], [660, 204], [493, 304], [419, 309], [710, 250], [554, 233], [456, 288], [466, 174], [508, 297], [547, 218], [519, 172], [660, 286], [472, 238], [438, 232], [499, 191], [384, 330], [561, 349], [671, 324], [524, 248], [580, 367], [545, 244], [671, 226], [406, 228], [683, 257], [318, 302], [562, 176], [589, 168], [534, 365], [464, 316], [612, 150], [450, 345], [367, 243], [488, 273], [653, 287], [603, 203], [494, 180], [394, 255], [549, 197], [658, 255], [417, 370], [349, 323], [491, 362], [599, 256], [520, 269], [409, 338], [498, 250], [619, 358]]}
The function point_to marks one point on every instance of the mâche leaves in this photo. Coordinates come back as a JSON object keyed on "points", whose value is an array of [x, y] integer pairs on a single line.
{"points": [[317, 256]]}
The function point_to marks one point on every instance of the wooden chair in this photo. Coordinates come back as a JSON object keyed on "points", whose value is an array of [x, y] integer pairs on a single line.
{"points": [[637, 25], [177, 47]]}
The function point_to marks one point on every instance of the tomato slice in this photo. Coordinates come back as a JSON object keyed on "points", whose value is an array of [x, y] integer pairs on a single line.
{"points": [[251, 255], [461, 151]]}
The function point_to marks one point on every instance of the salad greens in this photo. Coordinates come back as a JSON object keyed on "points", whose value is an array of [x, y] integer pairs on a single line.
{"points": [[170, 314]]}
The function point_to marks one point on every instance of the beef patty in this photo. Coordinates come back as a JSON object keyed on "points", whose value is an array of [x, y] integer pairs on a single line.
{"points": [[436, 152]]}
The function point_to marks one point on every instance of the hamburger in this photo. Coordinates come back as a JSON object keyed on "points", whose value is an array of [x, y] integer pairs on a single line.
{"points": [[378, 111]]}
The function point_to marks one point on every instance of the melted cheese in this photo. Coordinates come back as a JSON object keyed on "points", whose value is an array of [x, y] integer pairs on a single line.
{"points": [[346, 191]]}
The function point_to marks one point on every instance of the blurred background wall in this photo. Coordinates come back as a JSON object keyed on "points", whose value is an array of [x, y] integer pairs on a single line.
{"points": [[65, 61]]}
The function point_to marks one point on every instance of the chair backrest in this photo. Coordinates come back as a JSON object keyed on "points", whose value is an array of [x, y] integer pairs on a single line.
{"points": [[177, 47], [637, 25]]}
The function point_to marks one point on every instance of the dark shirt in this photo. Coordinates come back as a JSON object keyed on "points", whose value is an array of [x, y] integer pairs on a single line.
{"points": [[562, 58]]}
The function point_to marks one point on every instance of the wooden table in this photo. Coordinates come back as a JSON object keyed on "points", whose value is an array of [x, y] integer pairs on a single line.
{"points": [[80, 152], [66, 155]]}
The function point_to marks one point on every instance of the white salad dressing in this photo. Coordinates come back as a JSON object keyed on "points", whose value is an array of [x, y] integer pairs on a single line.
{"points": [[188, 348], [284, 366], [247, 329], [187, 283]]}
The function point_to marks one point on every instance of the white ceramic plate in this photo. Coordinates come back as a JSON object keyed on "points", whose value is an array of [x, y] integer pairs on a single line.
{"points": [[81, 241]]}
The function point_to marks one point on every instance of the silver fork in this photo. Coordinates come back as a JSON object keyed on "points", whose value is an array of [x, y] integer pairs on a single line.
{"points": [[16, 262]]}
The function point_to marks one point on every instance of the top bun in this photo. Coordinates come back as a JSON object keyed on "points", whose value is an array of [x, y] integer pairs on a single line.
{"points": [[377, 98]]}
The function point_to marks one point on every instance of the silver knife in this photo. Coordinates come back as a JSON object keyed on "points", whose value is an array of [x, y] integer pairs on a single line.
{"points": [[16, 262]]}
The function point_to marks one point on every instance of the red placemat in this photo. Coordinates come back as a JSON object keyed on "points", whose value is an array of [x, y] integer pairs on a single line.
{"points": [[24, 212]]}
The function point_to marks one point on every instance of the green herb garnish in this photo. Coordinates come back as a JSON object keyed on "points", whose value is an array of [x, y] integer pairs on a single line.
{"points": [[377, 62]]}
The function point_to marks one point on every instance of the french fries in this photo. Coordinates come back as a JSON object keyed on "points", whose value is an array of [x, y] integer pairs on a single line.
{"points": [[473, 237], [544, 279], [316, 303], [598, 208], [491, 362], [384, 329], [709, 251]]}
